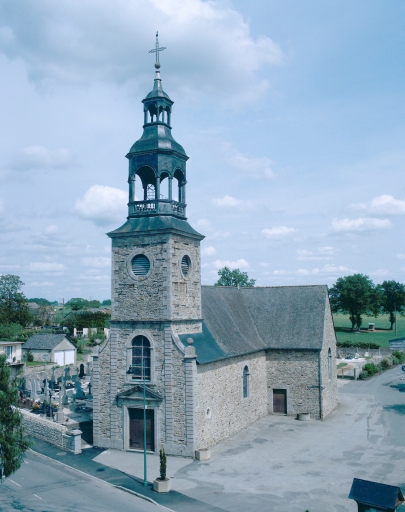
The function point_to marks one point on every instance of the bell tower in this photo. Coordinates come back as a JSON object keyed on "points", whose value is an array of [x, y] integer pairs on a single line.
{"points": [[155, 294]]}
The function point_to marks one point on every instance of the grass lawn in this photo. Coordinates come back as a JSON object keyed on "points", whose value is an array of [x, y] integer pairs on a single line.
{"points": [[381, 336], [37, 363]]}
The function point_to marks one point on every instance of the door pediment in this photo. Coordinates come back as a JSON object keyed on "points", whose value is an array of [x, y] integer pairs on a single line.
{"points": [[136, 393]]}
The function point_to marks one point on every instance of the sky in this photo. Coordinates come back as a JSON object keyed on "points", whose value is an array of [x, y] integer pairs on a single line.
{"points": [[292, 114]]}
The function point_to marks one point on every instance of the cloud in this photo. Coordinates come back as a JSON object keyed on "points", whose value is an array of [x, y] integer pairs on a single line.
{"points": [[241, 263], [203, 224], [46, 266], [38, 157], [382, 205], [400, 256], [379, 273], [210, 47], [332, 269], [96, 262], [226, 202], [363, 224], [38, 284], [278, 232], [103, 205], [51, 230], [256, 167], [280, 272], [321, 253], [209, 251]]}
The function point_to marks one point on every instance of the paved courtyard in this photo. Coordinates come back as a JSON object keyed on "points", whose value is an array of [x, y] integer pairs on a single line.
{"points": [[279, 463]]}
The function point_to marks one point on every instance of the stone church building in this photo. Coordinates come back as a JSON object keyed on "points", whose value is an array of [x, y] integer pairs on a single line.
{"points": [[210, 360]]}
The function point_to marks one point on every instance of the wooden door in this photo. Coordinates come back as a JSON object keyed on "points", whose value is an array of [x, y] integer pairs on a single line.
{"points": [[280, 401], [136, 429]]}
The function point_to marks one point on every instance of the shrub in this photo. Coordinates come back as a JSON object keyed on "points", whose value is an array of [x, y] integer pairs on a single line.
{"points": [[162, 456], [363, 375], [30, 356], [386, 363], [399, 355], [370, 368]]}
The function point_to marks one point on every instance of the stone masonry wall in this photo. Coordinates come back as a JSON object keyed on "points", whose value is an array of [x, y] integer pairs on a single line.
{"points": [[329, 382], [163, 294], [48, 431], [186, 290], [115, 355], [221, 409], [146, 299], [298, 373]]}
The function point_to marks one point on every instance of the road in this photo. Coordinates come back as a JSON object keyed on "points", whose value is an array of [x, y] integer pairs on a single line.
{"points": [[44, 485]]}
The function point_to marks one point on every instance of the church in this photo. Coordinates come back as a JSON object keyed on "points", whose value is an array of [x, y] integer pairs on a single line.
{"points": [[207, 360]]}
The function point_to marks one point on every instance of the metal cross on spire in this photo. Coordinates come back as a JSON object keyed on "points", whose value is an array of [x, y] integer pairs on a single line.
{"points": [[157, 50]]}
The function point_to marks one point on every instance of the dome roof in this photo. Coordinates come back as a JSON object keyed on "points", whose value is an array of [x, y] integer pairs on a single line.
{"points": [[155, 137]]}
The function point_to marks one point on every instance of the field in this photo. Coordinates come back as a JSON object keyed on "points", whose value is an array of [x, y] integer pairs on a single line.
{"points": [[381, 336]]}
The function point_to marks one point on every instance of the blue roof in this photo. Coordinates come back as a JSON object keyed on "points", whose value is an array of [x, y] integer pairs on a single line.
{"points": [[375, 494]]}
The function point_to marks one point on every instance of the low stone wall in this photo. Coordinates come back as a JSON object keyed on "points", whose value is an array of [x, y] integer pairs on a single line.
{"points": [[51, 432]]}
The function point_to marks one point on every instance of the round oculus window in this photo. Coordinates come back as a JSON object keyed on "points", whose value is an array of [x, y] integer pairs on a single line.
{"points": [[185, 265], [140, 265]]}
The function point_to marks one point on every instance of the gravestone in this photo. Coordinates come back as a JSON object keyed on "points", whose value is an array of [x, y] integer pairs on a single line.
{"points": [[60, 415], [79, 392], [52, 382], [81, 373], [89, 395]]}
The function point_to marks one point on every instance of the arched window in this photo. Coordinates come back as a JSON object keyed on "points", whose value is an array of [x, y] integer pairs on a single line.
{"points": [[329, 364], [140, 359], [246, 375]]}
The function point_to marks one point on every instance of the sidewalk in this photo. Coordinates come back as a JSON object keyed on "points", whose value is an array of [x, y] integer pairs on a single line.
{"points": [[85, 462]]}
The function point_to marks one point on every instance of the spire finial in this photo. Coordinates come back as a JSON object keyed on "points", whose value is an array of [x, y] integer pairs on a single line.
{"points": [[157, 50]]}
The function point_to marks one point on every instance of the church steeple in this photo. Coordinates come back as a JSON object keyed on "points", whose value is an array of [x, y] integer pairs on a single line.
{"points": [[157, 159]]}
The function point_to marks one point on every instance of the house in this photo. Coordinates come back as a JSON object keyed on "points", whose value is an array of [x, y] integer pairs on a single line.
{"points": [[211, 360], [57, 348], [13, 352]]}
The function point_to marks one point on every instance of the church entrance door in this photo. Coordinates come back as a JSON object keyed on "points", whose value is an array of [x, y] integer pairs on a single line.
{"points": [[136, 429], [280, 401]]}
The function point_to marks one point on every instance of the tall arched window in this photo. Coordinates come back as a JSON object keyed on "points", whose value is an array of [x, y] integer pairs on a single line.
{"points": [[329, 364], [246, 376], [140, 359]]}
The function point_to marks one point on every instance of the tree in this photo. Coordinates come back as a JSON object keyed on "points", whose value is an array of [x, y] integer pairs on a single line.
{"points": [[13, 441], [13, 303], [77, 304], [10, 331], [392, 297], [355, 295], [228, 277], [86, 319]]}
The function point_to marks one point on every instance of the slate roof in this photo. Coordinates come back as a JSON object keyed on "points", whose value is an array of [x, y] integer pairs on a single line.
{"points": [[158, 224], [375, 494], [242, 321], [44, 341]]}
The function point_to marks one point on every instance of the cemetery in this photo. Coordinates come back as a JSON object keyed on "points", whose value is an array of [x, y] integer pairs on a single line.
{"points": [[57, 405]]}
